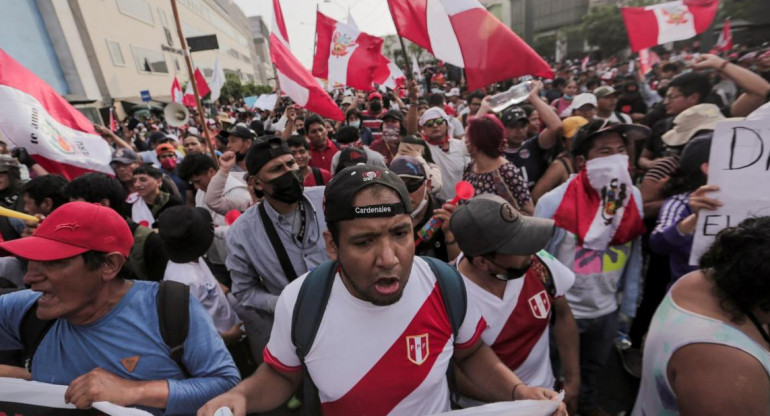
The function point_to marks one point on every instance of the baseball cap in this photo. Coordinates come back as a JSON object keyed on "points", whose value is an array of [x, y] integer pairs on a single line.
{"points": [[124, 156], [408, 167], [583, 99], [346, 184], [187, 233], [690, 121], [629, 132], [512, 115], [347, 100], [351, 156], [156, 136], [72, 229], [489, 224], [454, 92], [7, 163], [263, 151], [164, 147], [374, 95], [571, 125], [240, 130], [604, 91], [396, 114]]}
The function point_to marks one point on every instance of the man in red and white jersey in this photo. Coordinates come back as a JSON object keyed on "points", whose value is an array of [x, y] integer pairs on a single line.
{"points": [[517, 287], [385, 341]]}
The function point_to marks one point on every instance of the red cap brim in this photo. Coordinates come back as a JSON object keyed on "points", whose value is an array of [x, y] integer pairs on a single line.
{"points": [[41, 249]]}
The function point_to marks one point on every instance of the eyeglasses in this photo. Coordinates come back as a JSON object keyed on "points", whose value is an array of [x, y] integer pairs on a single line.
{"points": [[434, 122], [672, 96]]}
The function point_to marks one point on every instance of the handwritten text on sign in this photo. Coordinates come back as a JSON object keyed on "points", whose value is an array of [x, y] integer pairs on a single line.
{"points": [[740, 165]]}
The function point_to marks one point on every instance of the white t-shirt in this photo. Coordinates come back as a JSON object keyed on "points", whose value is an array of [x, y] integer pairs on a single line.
{"points": [[204, 287], [452, 163], [369, 359], [517, 324]]}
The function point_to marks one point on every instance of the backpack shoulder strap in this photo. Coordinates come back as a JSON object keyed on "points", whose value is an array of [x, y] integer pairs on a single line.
{"points": [[319, 179], [174, 318], [452, 291], [308, 314], [32, 331]]}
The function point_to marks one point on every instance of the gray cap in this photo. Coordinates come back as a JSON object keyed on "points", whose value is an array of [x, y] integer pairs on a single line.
{"points": [[7, 163], [488, 224]]}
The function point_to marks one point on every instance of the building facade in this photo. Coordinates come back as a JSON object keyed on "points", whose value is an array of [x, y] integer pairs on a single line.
{"points": [[260, 35]]}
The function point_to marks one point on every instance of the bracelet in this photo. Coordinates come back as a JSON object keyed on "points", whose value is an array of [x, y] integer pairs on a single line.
{"points": [[449, 243], [513, 393], [722, 67]]}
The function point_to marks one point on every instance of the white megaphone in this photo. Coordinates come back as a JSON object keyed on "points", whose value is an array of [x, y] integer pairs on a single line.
{"points": [[176, 114]]}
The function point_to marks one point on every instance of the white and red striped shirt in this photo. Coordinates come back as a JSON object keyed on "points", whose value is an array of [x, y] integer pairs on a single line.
{"points": [[517, 327], [377, 360]]}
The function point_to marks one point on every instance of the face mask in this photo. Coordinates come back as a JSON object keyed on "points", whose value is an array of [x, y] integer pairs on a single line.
{"points": [[168, 164], [301, 132], [435, 141], [375, 106], [568, 97], [421, 205], [390, 134], [511, 273], [287, 188], [355, 124]]}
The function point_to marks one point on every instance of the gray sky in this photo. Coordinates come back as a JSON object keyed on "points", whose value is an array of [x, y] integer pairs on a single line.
{"points": [[371, 16]]}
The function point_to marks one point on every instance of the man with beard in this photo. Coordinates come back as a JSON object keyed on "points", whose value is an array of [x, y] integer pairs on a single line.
{"points": [[275, 240], [239, 139]]}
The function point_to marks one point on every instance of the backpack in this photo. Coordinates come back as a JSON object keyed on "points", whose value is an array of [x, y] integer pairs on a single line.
{"points": [[173, 321], [319, 179], [136, 257], [311, 305]]}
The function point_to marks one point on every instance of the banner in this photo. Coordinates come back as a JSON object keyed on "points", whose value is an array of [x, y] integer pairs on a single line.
{"points": [[517, 408], [738, 164], [31, 398]]}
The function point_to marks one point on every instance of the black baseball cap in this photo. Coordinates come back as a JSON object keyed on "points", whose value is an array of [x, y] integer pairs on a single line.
{"points": [[583, 139], [351, 156], [345, 185], [264, 150], [396, 114], [512, 115]]}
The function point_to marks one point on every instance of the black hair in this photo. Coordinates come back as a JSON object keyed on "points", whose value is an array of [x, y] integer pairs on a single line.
{"points": [[95, 259], [669, 67], [559, 82], [95, 187], [313, 120], [258, 127], [195, 164], [436, 100], [692, 83], [348, 134], [737, 263], [47, 186], [352, 110], [476, 94], [297, 140], [592, 83], [149, 170]]}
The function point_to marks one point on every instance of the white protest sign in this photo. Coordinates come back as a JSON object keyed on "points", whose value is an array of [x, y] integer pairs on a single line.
{"points": [[739, 164], [20, 397], [266, 101], [515, 408]]}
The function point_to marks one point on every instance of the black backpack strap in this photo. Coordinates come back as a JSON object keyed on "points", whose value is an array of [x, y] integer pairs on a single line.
{"points": [[275, 241], [319, 179], [452, 291], [32, 331], [307, 316], [174, 319]]}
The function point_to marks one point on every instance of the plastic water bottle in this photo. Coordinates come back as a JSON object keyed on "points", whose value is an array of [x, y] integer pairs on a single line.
{"points": [[515, 95]]}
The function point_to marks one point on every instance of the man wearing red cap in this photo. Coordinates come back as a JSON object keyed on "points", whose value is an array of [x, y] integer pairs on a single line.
{"points": [[104, 341]]}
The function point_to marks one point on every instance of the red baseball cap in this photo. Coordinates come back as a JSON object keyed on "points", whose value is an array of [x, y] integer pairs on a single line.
{"points": [[73, 229], [374, 95]]}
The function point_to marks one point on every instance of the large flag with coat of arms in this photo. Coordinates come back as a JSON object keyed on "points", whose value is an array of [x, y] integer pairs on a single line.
{"points": [[34, 116], [667, 22]]}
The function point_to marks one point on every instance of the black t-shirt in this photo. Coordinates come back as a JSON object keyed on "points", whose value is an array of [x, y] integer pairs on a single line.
{"points": [[531, 159], [436, 246]]}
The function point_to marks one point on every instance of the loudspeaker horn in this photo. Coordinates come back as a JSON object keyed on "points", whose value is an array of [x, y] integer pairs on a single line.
{"points": [[176, 114]]}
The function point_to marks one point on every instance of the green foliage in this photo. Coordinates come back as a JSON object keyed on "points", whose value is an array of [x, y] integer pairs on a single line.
{"points": [[234, 90], [603, 27]]}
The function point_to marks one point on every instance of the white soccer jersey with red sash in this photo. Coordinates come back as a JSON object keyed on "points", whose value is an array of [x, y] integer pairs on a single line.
{"points": [[377, 360], [517, 327]]}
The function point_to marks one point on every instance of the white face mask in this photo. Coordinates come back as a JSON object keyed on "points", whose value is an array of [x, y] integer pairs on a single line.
{"points": [[355, 124], [422, 203]]}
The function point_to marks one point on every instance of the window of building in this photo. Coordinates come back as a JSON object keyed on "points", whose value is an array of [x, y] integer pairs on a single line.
{"points": [[149, 61], [138, 9], [116, 53]]}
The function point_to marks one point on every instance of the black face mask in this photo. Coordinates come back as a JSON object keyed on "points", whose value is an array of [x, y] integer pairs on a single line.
{"points": [[287, 188], [375, 106], [301, 132], [511, 273]]}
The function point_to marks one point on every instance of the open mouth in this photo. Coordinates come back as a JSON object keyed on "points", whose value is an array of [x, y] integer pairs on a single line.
{"points": [[46, 298], [387, 285]]}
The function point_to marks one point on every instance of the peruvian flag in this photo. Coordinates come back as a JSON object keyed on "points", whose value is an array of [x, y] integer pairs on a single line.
{"points": [[189, 96], [667, 22], [388, 74], [176, 91], [463, 33], [203, 86], [647, 59], [58, 136], [344, 55], [725, 41], [296, 81]]}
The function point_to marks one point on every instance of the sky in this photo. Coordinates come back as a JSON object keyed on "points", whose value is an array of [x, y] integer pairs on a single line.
{"points": [[371, 16]]}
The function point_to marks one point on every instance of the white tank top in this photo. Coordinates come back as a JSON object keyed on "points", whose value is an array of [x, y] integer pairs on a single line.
{"points": [[672, 328]]}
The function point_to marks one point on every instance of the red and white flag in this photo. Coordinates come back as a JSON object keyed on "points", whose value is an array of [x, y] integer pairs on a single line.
{"points": [[34, 116], [203, 86], [388, 74], [176, 91], [584, 64], [189, 96], [296, 81], [113, 123], [647, 58], [463, 33], [667, 22], [344, 55], [725, 41]]}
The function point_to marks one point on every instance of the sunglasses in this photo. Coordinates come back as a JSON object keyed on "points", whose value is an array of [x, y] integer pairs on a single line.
{"points": [[434, 122], [413, 184]]}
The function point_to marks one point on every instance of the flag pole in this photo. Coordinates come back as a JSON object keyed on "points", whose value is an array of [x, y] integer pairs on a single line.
{"points": [[409, 75], [188, 61]]}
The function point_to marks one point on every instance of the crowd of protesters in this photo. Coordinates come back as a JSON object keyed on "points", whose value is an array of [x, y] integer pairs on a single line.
{"points": [[575, 241]]}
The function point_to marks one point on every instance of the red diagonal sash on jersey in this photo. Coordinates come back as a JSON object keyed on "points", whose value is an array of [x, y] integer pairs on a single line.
{"points": [[523, 328], [394, 376]]}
